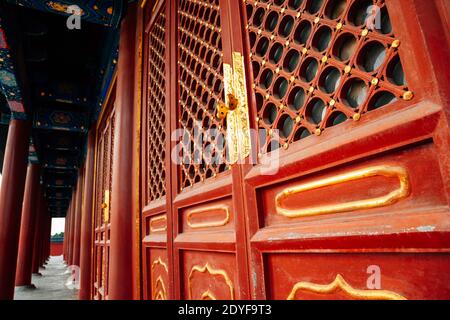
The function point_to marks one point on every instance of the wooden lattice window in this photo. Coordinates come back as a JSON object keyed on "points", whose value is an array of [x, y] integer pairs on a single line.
{"points": [[156, 110], [318, 63], [200, 78]]}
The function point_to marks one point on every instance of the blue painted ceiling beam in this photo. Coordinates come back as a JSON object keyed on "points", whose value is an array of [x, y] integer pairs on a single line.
{"points": [[104, 12]]}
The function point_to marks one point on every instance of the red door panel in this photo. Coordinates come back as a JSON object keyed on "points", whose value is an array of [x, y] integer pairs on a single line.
{"points": [[209, 275], [154, 170], [357, 138], [332, 276], [102, 208], [347, 109]]}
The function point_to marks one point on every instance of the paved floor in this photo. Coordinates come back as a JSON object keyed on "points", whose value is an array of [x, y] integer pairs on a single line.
{"points": [[51, 285]]}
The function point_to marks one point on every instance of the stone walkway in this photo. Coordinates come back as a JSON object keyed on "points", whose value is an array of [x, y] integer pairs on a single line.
{"points": [[51, 285]]}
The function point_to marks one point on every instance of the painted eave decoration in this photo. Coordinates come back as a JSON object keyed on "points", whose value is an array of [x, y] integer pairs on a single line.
{"points": [[8, 81], [105, 12]]}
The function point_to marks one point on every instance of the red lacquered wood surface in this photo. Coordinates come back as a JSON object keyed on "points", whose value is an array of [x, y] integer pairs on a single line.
{"points": [[222, 231]]}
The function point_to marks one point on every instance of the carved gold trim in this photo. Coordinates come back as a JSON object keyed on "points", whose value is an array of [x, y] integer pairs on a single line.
{"points": [[159, 261], [219, 223], [160, 295], [388, 171], [211, 271], [208, 295], [340, 284], [155, 219]]}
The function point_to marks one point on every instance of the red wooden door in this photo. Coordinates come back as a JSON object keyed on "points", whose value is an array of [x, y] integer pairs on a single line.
{"points": [[343, 192], [103, 179], [155, 170], [358, 208], [190, 229]]}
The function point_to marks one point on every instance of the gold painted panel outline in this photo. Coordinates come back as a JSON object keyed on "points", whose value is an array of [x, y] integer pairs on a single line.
{"points": [[401, 192], [207, 224], [214, 272], [157, 219], [340, 284]]}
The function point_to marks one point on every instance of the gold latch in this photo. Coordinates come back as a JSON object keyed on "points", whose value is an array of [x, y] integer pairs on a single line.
{"points": [[222, 109], [105, 207], [235, 109]]}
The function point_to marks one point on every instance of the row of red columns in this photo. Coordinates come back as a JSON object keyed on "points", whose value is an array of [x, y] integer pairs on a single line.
{"points": [[25, 221], [35, 217], [79, 222], [78, 227]]}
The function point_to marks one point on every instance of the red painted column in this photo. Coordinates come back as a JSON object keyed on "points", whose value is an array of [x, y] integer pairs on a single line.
{"points": [[86, 221], [27, 228], [72, 224], [45, 237], [76, 237], [122, 222], [49, 235], [66, 235], [38, 236], [11, 196]]}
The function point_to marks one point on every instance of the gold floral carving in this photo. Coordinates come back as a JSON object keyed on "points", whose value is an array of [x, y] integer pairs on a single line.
{"points": [[339, 284], [213, 272], [388, 171]]}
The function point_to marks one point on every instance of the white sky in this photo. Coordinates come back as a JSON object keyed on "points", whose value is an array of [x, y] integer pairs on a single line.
{"points": [[58, 225]]}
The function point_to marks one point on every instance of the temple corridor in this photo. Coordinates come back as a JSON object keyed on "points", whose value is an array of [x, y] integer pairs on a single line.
{"points": [[50, 285]]}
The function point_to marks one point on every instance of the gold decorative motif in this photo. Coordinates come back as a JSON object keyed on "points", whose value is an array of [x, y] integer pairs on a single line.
{"points": [[160, 262], [61, 7], [213, 272], [161, 294], [208, 295], [238, 123], [340, 284], [207, 224], [408, 95], [157, 219], [388, 199], [105, 207]]}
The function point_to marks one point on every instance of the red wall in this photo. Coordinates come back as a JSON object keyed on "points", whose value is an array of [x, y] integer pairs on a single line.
{"points": [[56, 248]]}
